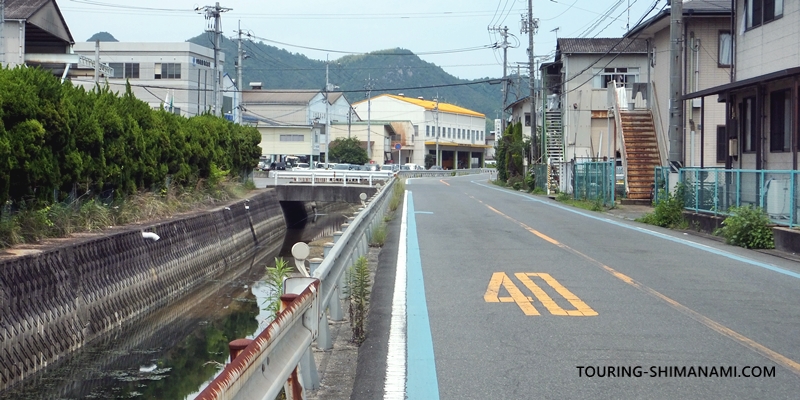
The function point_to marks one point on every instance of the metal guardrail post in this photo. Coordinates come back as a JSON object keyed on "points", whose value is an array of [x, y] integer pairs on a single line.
{"points": [[326, 248], [793, 194], [761, 189], [335, 306], [336, 236], [309, 377], [716, 192], [324, 341], [293, 387], [696, 190]]}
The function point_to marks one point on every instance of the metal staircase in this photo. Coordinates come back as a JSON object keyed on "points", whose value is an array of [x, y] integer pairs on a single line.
{"points": [[641, 148], [554, 144]]}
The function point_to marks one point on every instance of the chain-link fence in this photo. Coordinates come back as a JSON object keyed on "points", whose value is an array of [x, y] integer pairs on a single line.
{"points": [[594, 181], [539, 174]]}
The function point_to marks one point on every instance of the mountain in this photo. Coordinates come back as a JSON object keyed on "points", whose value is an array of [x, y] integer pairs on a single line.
{"points": [[103, 37], [389, 71]]}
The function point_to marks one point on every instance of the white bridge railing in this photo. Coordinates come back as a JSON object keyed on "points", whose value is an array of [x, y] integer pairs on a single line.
{"points": [[332, 176]]}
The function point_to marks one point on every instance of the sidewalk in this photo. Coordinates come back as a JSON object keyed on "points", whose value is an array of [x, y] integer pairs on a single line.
{"points": [[631, 212]]}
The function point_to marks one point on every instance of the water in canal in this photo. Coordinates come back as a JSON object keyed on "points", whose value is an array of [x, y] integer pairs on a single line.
{"points": [[176, 351]]}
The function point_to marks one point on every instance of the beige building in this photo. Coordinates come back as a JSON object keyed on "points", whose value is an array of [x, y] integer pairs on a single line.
{"points": [[293, 122], [588, 66], [763, 99], [707, 59]]}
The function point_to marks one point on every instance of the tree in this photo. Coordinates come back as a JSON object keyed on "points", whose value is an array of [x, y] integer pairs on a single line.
{"points": [[348, 150], [430, 160]]}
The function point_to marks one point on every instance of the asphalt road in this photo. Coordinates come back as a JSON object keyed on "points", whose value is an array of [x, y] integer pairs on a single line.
{"points": [[526, 297]]}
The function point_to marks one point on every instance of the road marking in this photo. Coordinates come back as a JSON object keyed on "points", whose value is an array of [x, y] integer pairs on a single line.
{"points": [[778, 358], [492, 293], [442, 180], [421, 380], [685, 242], [525, 303], [581, 309], [423, 212], [394, 387]]}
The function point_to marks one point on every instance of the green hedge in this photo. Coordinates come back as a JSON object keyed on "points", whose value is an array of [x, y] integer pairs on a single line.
{"points": [[58, 138]]}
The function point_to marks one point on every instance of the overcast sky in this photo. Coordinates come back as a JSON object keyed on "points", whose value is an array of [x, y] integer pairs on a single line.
{"points": [[450, 33]]}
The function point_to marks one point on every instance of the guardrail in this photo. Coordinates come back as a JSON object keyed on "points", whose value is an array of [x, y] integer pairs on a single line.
{"points": [[441, 173], [281, 354], [333, 176]]}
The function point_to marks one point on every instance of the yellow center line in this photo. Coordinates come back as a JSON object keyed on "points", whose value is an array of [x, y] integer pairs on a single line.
{"points": [[442, 180], [778, 358]]}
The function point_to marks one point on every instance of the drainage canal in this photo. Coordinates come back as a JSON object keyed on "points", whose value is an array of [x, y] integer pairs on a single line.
{"points": [[174, 352]]}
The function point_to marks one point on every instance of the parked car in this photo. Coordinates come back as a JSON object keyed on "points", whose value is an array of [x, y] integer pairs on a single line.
{"points": [[390, 167], [414, 167], [301, 167], [371, 167], [435, 168], [341, 167]]}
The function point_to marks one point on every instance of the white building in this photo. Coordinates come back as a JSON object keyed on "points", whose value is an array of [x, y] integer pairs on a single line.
{"points": [[179, 76], [459, 132]]}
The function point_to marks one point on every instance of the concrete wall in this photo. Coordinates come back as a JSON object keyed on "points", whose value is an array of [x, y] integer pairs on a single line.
{"points": [[54, 302]]}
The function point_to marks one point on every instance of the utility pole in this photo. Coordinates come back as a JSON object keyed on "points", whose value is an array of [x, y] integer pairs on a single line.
{"points": [[214, 13], [530, 27], [504, 32], [97, 62], [436, 118], [2, 38], [675, 73], [239, 82], [369, 118], [327, 115]]}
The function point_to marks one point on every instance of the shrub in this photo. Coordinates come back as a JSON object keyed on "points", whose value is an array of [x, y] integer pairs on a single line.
{"points": [[668, 213], [274, 281], [748, 227]]}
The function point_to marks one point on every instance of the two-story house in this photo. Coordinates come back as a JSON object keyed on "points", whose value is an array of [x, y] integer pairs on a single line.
{"points": [[762, 100], [459, 134]]}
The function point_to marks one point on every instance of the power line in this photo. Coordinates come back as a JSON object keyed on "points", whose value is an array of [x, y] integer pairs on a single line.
{"points": [[633, 39]]}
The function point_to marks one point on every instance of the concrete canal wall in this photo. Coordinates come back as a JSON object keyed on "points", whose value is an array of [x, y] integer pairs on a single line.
{"points": [[53, 302]]}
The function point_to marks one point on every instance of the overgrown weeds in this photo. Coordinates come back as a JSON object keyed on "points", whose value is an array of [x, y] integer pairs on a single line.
{"points": [[397, 195], [358, 290], [748, 227], [274, 281], [32, 222], [378, 236], [668, 212]]}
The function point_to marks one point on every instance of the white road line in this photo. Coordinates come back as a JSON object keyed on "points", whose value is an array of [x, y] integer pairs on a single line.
{"points": [[395, 385]]}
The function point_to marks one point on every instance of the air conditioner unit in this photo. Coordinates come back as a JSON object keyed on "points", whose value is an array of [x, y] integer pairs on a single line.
{"points": [[696, 102], [777, 201]]}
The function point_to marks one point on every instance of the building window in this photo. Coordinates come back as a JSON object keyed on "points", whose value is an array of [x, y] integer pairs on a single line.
{"points": [[780, 121], [292, 138], [725, 47], [758, 12], [527, 119], [416, 130], [722, 142], [604, 76], [449, 133], [427, 130], [168, 71], [125, 70], [749, 119]]}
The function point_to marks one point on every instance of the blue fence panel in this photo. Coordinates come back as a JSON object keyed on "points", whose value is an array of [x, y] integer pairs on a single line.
{"points": [[716, 191], [595, 181]]}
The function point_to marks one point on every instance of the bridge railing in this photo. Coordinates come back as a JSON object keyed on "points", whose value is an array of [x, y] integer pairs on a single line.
{"points": [[281, 354], [332, 176], [443, 173]]}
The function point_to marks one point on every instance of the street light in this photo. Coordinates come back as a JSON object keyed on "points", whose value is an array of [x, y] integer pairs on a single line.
{"points": [[436, 118]]}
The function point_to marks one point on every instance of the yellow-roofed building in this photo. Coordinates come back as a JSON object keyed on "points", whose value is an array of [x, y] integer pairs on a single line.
{"points": [[459, 132]]}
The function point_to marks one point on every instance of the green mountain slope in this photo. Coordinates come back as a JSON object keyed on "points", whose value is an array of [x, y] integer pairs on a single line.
{"points": [[397, 69]]}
